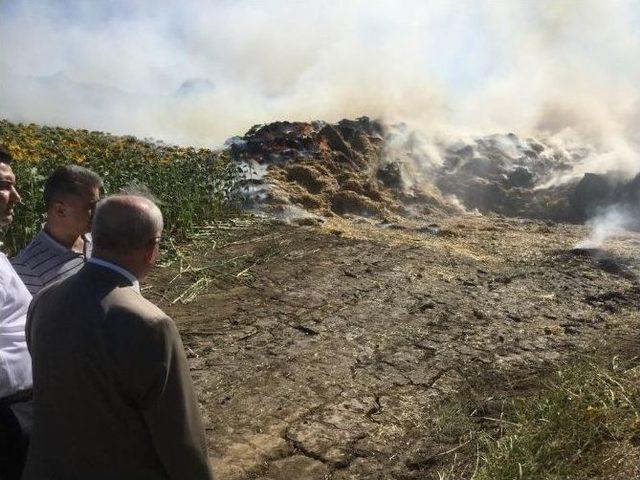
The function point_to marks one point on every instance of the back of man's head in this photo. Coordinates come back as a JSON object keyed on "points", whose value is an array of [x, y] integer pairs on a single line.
{"points": [[124, 224], [69, 180], [5, 155]]}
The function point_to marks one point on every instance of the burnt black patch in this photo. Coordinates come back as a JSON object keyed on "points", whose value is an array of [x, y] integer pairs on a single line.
{"points": [[608, 262]]}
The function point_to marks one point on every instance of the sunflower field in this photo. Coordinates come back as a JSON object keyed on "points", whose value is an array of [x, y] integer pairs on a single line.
{"points": [[192, 185]]}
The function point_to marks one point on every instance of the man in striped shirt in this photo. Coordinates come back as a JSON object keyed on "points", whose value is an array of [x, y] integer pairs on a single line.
{"points": [[62, 246]]}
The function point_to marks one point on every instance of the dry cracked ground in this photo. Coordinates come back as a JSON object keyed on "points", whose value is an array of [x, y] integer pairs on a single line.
{"points": [[327, 351]]}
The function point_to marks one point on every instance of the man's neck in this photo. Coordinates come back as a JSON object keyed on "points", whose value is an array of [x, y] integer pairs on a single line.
{"points": [[72, 241], [122, 261]]}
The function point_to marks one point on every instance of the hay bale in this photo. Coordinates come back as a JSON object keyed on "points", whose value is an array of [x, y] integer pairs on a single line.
{"points": [[306, 176], [346, 201]]}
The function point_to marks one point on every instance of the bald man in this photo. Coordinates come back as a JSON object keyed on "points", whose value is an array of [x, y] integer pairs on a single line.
{"points": [[113, 397]]}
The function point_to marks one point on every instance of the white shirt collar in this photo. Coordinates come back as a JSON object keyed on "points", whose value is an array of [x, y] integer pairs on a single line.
{"points": [[116, 268]]}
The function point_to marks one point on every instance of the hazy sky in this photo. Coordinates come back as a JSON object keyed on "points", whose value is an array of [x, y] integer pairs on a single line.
{"points": [[198, 72]]}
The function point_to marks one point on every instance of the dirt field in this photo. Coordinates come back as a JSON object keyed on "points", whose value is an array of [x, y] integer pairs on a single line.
{"points": [[327, 352]]}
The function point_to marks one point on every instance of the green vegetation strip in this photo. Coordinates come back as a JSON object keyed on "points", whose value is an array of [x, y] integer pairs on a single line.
{"points": [[583, 423], [194, 186]]}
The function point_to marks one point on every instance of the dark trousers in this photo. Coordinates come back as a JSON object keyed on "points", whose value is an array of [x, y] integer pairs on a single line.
{"points": [[13, 445]]}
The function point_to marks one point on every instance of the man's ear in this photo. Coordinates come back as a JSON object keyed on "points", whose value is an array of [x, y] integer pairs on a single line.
{"points": [[149, 254], [58, 209]]}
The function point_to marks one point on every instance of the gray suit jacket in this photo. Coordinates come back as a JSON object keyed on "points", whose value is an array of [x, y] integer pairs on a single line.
{"points": [[113, 398]]}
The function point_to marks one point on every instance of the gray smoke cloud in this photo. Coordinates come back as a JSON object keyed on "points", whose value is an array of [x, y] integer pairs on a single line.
{"points": [[607, 224], [198, 72]]}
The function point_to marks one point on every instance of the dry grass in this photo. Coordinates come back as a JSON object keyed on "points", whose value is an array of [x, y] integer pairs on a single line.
{"points": [[210, 256]]}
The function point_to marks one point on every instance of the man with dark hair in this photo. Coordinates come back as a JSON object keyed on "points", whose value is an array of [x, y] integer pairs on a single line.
{"points": [[113, 397], [5, 156], [15, 363], [62, 246]]}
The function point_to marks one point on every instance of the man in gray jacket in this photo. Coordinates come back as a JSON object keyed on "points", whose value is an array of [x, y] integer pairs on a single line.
{"points": [[113, 397]]}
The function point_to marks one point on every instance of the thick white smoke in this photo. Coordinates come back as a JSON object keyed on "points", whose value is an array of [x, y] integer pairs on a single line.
{"points": [[197, 72], [607, 224]]}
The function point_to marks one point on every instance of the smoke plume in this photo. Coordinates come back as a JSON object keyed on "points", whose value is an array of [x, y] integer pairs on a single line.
{"points": [[197, 72], [607, 224]]}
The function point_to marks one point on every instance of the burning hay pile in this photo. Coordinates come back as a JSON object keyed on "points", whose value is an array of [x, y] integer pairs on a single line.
{"points": [[321, 168], [366, 168]]}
